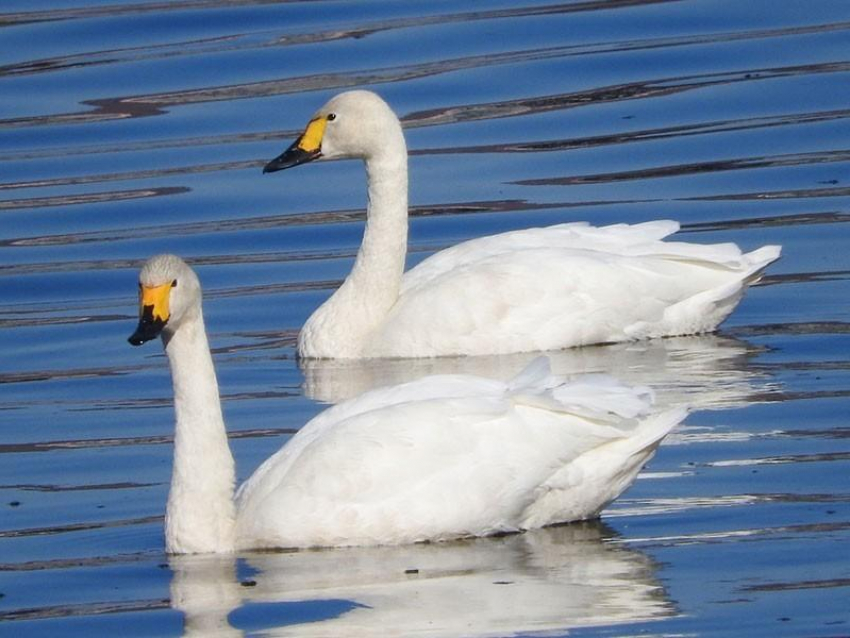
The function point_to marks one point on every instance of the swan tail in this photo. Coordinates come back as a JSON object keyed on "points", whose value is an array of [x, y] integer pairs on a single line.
{"points": [[759, 260], [706, 310], [610, 469], [652, 430], [583, 488]]}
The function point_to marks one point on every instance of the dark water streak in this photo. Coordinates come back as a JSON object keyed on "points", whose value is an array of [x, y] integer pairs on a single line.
{"points": [[158, 104]]}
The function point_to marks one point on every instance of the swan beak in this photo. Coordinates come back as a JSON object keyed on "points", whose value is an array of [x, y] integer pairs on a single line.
{"points": [[306, 148], [293, 156], [153, 313]]}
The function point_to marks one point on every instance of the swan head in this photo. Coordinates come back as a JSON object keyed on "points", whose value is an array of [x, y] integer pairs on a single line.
{"points": [[354, 124], [169, 292]]}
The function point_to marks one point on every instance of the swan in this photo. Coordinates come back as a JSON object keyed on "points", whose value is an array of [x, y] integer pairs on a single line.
{"points": [[443, 457], [531, 290]]}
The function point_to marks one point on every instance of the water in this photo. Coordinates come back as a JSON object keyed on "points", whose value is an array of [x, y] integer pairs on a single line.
{"points": [[128, 129]]}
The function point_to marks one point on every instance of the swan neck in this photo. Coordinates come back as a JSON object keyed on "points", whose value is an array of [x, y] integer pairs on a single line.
{"points": [[345, 323], [200, 515], [379, 265]]}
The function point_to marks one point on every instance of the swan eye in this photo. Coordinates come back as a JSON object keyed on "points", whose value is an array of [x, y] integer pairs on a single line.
{"points": [[174, 284], [331, 117]]}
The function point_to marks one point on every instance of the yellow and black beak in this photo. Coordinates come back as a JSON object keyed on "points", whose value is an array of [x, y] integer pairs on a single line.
{"points": [[306, 148], [153, 312]]}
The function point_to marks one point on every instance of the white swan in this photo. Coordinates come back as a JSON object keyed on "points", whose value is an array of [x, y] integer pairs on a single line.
{"points": [[531, 290], [439, 458]]}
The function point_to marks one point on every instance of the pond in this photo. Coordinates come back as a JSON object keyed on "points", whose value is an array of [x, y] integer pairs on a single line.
{"points": [[130, 128]]}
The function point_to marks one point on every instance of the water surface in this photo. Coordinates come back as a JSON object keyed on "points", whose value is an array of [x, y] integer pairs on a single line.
{"points": [[132, 128]]}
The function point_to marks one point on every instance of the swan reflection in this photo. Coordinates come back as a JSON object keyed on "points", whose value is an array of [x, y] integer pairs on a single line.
{"points": [[205, 589], [701, 372], [534, 583]]}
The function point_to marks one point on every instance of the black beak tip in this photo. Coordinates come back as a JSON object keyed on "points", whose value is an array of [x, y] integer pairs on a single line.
{"points": [[146, 331], [139, 337], [293, 156], [136, 339]]}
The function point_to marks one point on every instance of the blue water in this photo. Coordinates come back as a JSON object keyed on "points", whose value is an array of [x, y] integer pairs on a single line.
{"points": [[131, 128]]}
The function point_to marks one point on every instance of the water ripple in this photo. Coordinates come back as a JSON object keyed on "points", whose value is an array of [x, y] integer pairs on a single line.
{"points": [[695, 168], [158, 103], [89, 198], [78, 444]]}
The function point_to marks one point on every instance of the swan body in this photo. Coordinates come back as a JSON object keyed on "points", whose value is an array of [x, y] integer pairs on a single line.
{"points": [[539, 289], [442, 457]]}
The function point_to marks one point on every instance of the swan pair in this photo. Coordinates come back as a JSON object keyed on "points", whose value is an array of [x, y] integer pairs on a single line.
{"points": [[446, 456]]}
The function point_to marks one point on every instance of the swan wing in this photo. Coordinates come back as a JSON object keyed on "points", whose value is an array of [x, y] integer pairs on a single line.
{"points": [[616, 239], [402, 470], [446, 386], [564, 286], [537, 299]]}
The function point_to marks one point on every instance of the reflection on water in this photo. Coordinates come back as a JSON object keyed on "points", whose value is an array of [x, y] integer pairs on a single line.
{"points": [[701, 372], [533, 583], [205, 589]]}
